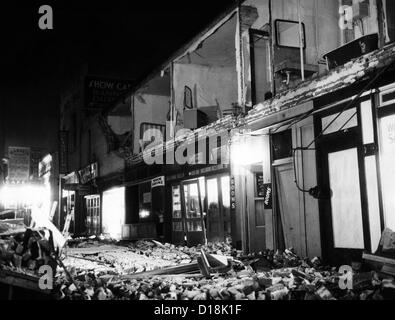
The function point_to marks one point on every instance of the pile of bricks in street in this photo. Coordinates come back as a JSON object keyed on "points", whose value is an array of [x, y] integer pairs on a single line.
{"points": [[263, 276], [180, 254], [26, 251], [113, 259]]}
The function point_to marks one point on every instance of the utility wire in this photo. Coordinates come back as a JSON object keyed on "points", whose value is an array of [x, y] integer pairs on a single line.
{"points": [[353, 115], [366, 87], [293, 122]]}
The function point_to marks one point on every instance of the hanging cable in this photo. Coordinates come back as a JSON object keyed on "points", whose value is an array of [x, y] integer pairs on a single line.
{"points": [[294, 166]]}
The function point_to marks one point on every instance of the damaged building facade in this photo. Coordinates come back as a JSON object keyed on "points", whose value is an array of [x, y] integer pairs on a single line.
{"points": [[288, 108]]}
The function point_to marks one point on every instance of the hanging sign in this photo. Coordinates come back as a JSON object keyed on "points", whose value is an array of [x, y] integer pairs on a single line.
{"points": [[268, 192], [89, 173], [158, 182]]}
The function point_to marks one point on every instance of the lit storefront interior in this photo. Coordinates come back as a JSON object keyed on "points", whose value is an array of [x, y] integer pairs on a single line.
{"points": [[113, 212], [201, 210], [247, 157]]}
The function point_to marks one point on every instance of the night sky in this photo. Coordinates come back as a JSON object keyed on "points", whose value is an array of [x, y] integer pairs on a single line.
{"points": [[122, 39]]}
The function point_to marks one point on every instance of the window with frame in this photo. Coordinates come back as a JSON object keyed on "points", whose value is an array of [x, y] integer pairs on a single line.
{"points": [[288, 34], [386, 134]]}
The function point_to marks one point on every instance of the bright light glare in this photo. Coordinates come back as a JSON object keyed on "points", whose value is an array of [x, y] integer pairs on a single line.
{"points": [[247, 150], [114, 212], [24, 195], [144, 213]]}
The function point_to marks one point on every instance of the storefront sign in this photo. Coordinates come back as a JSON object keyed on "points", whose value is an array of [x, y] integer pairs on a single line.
{"points": [[158, 182], [89, 173], [63, 152], [72, 178], [19, 164], [101, 92], [232, 193], [267, 187]]}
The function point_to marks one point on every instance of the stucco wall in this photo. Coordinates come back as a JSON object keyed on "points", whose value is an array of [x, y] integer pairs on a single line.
{"points": [[210, 86], [151, 109]]}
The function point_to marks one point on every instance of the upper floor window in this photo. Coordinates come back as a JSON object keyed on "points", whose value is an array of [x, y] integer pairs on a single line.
{"points": [[288, 34]]}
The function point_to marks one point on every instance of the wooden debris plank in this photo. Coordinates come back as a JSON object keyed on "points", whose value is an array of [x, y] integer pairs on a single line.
{"points": [[181, 269], [95, 250], [158, 244], [21, 280], [372, 257], [387, 264], [12, 233], [87, 259]]}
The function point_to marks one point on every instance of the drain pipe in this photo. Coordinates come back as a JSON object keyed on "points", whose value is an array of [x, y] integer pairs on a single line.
{"points": [[301, 42]]}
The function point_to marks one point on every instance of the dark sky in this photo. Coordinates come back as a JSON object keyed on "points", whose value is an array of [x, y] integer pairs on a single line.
{"points": [[119, 38]]}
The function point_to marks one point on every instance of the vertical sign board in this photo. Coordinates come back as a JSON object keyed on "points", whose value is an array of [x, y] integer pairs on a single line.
{"points": [[63, 152], [268, 195], [232, 194], [19, 164]]}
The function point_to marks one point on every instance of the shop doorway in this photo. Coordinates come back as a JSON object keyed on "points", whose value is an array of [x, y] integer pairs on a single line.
{"points": [[218, 208], [342, 201], [201, 210], [93, 223], [257, 224], [113, 212], [188, 223], [288, 205], [287, 214]]}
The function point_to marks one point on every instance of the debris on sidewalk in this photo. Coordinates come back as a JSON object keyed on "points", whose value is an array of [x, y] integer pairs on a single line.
{"points": [[262, 276]]}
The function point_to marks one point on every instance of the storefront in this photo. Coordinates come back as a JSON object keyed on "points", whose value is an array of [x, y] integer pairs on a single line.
{"points": [[92, 199], [273, 211], [356, 154], [201, 206], [80, 203], [113, 212], [145, 209]]}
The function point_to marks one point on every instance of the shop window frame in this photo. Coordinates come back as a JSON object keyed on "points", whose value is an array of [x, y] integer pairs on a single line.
{"points": [[381, 110]]}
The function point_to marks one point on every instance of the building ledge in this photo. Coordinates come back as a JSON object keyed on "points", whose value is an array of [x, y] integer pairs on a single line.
{"points": [[339, 78]]}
